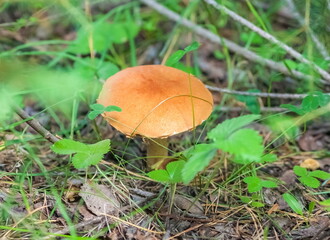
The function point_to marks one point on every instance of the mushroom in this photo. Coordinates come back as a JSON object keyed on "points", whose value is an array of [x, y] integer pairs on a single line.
{"points": [[157, 102]]}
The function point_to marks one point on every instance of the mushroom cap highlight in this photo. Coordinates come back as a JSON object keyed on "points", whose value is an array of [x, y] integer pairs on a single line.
{"points": [[156, 101]]}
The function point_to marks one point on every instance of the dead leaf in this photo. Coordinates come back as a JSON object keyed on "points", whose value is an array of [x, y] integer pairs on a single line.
{"points": [[289, 177], [319, 227], [307, 142], [188, 204], [99, 199], [274, 208], [85, 213]]}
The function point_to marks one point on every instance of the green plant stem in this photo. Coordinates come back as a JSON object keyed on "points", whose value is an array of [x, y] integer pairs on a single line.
{"points": [[172, 195], [61, 207], [157, 151], [217, 166], [234, 175], [312, 115]]}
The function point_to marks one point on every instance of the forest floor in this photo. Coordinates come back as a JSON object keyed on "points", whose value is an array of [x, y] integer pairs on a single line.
{"points": [[52, 65]]}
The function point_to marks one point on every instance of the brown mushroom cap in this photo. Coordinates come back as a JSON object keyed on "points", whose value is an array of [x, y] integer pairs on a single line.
{"points": [[156, 101]]}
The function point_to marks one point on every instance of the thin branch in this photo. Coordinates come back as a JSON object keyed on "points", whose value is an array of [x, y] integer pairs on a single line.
{"points": [[229, 44], [207, 67], [269, 37], [262, 109], [322, 49], [258, 94], [33, 123]]}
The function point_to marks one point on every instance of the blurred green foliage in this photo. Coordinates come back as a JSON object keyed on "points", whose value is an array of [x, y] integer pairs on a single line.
{"points": [[50, 88]]}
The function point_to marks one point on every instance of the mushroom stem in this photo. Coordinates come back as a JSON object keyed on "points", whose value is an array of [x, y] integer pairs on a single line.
{"points": [[157, 152]]}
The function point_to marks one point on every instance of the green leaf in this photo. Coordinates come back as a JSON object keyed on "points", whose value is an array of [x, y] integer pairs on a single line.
{"points": [[251, 37], [198, 157], [290, 64], [228, 127], [245, 144], [97, 106], [83, 160], [255, 197], [309, 181], [97, 32], [283, 125], [175, 57], [270, 157], [311, 207], [300, 171], [325, 202], [310, 103], [106, 70], [174, 170], [122, 32], [67, 146], [293, 203], [323, 98], [185, 68], [160, 175], [245, 199], [86, 155], [99, 109], [103, 35], [112, 109], [320, 174], [269, 184], [251, 102], [254, 184], [219, 55], [93, 114], [293, 108], [192, 47], [257, 204], [89, 68], [101, 147]]}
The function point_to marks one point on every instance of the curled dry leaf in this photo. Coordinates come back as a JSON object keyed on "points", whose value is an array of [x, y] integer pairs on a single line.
{"points": [[188, 204], [99, 199]]}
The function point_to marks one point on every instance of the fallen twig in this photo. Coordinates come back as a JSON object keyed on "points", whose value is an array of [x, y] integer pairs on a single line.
{"points": [[269, 37], [258, 94], [229, 44], [33, 123]]}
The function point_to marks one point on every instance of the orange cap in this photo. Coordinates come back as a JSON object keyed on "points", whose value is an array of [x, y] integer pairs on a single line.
{"points": [[156, 101]]}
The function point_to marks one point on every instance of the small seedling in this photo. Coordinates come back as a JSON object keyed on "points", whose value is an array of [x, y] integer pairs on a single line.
{"points": [[85, 154], [255, 183], [310, 178], [254, 200], [172, 174], [99, 109], [311, 102], [176, 56], [244, 145], [227, 137]]}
